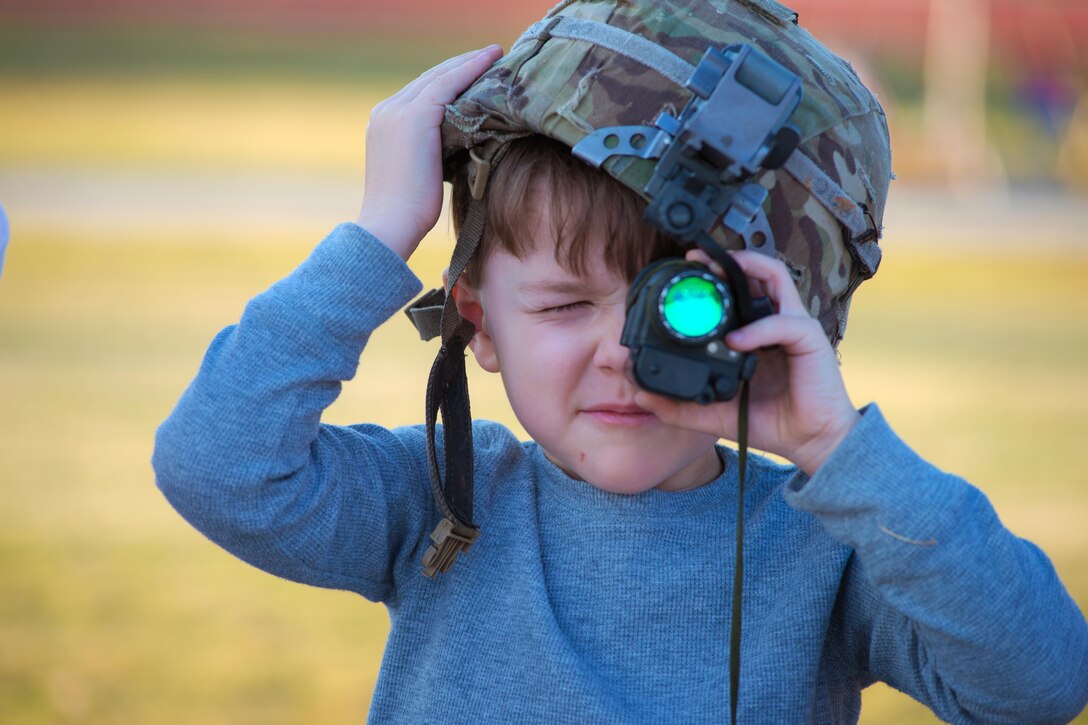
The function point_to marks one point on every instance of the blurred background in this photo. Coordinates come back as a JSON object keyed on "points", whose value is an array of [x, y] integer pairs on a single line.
{"points": [[163, 162]]}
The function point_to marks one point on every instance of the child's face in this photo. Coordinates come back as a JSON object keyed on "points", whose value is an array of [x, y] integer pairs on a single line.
{"points": [[555, 338]]}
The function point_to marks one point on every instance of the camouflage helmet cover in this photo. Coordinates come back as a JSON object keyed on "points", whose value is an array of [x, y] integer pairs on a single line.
{"points": [[566, 88]]}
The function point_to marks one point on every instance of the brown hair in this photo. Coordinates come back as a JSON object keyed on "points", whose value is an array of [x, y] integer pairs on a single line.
{"points": [[584, 201]]}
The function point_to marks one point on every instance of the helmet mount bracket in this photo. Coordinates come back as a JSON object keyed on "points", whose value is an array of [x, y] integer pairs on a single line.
{"points": [[734, 126]]}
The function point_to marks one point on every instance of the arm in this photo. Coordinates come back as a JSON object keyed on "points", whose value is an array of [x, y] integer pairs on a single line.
{"points": [[966, 618], [244, 456], [951, 607]]}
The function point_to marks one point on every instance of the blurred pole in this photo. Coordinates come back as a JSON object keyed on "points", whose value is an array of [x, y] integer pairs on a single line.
{"points": [[4, 232], [954, 106], [1073, 153]]}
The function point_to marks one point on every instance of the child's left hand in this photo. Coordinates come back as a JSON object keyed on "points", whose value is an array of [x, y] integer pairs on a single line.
{"points": [[799, 407]]}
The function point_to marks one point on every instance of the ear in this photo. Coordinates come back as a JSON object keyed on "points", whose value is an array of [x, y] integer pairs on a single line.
{"points": [[468, 302]]}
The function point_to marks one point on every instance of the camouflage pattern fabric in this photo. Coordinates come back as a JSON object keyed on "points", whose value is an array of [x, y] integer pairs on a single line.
{"points": [[565, 89]]}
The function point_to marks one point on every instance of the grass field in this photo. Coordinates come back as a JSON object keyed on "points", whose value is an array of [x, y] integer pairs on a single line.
{"points": [[113, 610]]}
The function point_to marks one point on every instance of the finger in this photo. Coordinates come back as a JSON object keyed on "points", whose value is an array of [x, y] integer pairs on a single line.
{"points": [[775, 278], [449, 84], [716, 419], [667, 410], [755, 287], [458, 71], [664, 408], [442, 67], [412, 87], [697, 255], [796, 334]]}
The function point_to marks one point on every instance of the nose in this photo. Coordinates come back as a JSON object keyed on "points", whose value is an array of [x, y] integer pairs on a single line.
{"points": [[610, 354]]}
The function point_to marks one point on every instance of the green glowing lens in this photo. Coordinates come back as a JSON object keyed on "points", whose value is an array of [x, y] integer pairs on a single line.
{"points": [[693, 307]]}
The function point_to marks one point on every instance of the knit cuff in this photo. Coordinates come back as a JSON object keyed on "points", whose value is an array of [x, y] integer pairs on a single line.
{"points": [[328, 287], [877, 495]]}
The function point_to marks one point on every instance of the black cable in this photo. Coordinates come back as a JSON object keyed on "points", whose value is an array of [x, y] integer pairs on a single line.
{"points": [[738, 571]]}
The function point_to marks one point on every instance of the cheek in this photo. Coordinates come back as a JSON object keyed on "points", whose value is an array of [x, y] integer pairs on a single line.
{"points": [[561, 349], [543, 352], [539, 368]]}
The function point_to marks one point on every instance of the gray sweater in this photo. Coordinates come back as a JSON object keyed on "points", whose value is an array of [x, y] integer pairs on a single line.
{"points": [[578, 605]]}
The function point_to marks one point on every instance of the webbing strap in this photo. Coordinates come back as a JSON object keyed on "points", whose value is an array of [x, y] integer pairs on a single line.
{"points": [[829, 193], [434, 312], [447, 392], [738, 568], [472, 231], [443, 394], [618, 40], [863, 237], [426, 313]]}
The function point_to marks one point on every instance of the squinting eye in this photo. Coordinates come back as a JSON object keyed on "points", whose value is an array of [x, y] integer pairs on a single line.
{"points": [[569, 307]]}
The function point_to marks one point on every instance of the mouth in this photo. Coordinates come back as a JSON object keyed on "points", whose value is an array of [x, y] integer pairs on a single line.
{"points": [[620, 414]]}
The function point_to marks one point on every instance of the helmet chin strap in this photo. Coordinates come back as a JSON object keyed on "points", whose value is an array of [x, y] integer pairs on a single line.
{"points": [[434, 314]]}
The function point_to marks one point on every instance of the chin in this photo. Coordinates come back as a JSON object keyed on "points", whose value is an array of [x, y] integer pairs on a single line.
{"points": [[633, 474], [626, 480]]}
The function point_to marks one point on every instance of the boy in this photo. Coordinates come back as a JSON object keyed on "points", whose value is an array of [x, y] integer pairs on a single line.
{"points": [[599, 589]]}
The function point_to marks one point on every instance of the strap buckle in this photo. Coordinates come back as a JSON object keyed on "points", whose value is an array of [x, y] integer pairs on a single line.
{"points": [[426, 313], [449, 539], [481, 159], [865, 247]]}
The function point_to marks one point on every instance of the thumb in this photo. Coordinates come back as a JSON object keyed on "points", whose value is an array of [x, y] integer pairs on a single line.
{"points": [[711, 419], [666, 409]]}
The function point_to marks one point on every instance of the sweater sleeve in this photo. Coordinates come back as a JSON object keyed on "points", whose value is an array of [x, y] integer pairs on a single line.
{"points": [[955, 610], [244, 456]]}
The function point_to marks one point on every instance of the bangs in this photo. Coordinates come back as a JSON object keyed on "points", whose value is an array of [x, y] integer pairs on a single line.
{"points": [[584, 205]]}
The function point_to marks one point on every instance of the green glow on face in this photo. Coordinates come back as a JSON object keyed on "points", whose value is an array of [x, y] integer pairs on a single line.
{"points": [[693, 307]]}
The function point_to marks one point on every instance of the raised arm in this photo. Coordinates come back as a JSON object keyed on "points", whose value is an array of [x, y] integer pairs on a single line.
{"points": [[244, 456]]}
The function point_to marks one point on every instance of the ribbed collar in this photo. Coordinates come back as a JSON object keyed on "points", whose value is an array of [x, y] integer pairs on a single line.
{"points": [[577, 495]]}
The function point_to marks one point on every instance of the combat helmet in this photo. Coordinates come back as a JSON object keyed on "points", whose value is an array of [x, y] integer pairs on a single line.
{"points": [[592, 68]]}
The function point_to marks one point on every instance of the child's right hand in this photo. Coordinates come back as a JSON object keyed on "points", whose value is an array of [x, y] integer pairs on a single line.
{"points": [[799, 407], [402, 194]]}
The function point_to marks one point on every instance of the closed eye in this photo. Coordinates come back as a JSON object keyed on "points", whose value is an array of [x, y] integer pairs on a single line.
{"points": [[569, 307]]}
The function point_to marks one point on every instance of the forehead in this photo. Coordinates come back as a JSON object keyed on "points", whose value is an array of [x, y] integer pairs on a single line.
{"points": [[537, 268], [557, 237]]}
